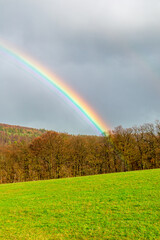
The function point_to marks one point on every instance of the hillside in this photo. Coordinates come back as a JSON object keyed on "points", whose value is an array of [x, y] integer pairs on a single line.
{"points": [[10, 133], [110, 206], [28, 154]]}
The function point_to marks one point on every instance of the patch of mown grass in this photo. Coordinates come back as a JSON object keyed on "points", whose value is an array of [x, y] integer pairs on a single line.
{"points": [[111, 206]]}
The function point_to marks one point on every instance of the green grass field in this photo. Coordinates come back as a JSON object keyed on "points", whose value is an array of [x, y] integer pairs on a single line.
{"points": [[111, 206]]}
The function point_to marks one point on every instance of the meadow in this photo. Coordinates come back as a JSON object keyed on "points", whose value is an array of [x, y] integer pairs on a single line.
{"points": [[110, 206]]}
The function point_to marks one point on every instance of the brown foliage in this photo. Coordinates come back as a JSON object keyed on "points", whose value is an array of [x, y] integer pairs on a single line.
{"points": [[57, 155]]}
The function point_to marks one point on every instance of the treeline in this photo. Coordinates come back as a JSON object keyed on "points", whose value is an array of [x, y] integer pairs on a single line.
{"points": [[57, 155]]}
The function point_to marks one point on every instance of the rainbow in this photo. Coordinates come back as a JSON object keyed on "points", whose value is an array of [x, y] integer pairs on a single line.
{"points": [[39, 71]]}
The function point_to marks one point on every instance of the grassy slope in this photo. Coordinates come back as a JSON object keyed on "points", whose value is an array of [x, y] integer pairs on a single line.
{"points": [[112, 206]]}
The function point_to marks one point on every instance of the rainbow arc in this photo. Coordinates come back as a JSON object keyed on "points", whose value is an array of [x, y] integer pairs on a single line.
{"points": [[38, 70]]}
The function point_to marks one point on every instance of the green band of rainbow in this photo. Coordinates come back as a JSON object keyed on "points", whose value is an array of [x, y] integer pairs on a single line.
{"points": [[39, 70]]}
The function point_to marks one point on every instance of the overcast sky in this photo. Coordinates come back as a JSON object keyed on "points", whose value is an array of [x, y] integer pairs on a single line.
{"points": [[108, 51]]}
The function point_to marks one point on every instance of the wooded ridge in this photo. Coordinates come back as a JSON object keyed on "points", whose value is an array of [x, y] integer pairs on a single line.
{"points": [[28, 154]]}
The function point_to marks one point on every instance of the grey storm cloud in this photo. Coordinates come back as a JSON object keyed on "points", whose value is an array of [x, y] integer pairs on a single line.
{"points": [[108, 51]]}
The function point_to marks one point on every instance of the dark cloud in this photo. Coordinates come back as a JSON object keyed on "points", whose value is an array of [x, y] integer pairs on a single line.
{"points": [[108, 51]]}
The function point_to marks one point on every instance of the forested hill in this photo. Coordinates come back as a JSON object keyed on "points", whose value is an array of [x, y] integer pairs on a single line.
{"points": [[10, 134], [28, 154]]}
